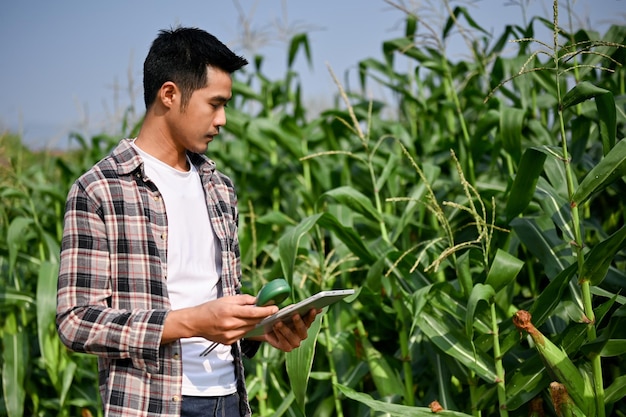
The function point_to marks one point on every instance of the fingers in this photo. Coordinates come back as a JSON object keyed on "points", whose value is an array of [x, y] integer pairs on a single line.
{"points": [[296, 331], [240, 299], [287, 336], [262, 312], [309, 318], [228, 318], [246, 301]]}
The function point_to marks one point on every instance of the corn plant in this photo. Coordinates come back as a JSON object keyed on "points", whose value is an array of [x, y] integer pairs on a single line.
{"points": [[39, 375], [442, 275], [440, 323]]}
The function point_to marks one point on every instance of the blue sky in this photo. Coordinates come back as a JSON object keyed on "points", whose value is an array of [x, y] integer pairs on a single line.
{"points": [[61, 59]]}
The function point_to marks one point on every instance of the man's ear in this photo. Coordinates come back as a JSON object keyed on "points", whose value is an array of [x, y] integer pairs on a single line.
{"points": [[169, 94]]}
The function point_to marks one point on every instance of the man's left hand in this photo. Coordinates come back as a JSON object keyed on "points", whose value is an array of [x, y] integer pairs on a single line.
{"points": [[287, 336]]}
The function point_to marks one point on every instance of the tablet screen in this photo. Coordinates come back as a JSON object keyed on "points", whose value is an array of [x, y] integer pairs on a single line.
{"points": [[317, 301]]}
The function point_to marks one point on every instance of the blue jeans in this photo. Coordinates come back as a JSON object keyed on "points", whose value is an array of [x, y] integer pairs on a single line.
{"points": [[227, 406]]}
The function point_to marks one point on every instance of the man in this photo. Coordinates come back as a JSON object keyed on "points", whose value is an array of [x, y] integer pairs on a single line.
{"points": [[150, 270]]}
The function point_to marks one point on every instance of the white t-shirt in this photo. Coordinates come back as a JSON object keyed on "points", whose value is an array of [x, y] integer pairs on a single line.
{"points": [[194, 268]]}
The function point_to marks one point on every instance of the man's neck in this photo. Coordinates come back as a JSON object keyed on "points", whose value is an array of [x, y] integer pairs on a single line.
{"points": [[157, 143]]}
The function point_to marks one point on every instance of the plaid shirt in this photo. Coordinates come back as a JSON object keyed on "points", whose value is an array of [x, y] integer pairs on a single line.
{"points": [[112, 293]]}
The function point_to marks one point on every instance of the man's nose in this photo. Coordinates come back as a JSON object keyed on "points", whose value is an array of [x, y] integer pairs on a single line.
{"points": [[220, 117]]}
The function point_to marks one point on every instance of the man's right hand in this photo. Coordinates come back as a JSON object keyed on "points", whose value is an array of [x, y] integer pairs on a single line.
{"points": [[224, 320]]}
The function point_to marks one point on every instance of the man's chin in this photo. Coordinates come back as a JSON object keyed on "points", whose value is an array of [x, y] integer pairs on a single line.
{"points": [[198, 148], [201, 147]]}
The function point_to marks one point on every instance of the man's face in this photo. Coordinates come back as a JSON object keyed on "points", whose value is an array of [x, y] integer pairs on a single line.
{"points": [[195, 126]]}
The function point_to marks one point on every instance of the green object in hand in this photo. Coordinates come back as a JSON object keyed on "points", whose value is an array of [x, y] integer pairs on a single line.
{"points": [[274, 292]]}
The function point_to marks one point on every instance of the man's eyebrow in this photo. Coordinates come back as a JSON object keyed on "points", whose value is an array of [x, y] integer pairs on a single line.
{"points": [[221, 99]]}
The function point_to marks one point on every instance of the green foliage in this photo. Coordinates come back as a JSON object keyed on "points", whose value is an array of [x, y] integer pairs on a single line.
{"points": [[39, 375], [480, 188]]}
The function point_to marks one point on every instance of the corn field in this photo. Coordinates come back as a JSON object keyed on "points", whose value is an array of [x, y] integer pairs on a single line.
{"points": [[478, 209]]}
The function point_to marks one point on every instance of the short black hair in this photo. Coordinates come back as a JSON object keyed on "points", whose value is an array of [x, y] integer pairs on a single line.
{"points": [[181, 55]]}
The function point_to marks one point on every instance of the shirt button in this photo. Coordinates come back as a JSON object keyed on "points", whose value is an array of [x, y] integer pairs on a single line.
{"points": [[176, 398], [176, 356], [157, 197], [163, 236]]}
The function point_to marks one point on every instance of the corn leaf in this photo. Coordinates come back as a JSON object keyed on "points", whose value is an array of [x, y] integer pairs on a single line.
{"points": [[602, 311], [404, 46], [581, 92], [288, 245], [384, 375], [616, 391], [14, 358], [348, 236], [487, 122], [605, 103], [614, 347], [525, 182], [411, 26], [284, 407], [67, 375], [442, 299], [456, 345], [461, 11], [552, 189], [540, 238], [613, 37], [354, 199], [46, 309], [608, 170], [266, 134], [599, 260], [445, 387], [504, 268], [16, 235], [464, 273], [511, 123], [10, 298], [300, 41], [394, 409], [480, 292], [416, 198], [526, 382], [551, 296], [299, 362]]}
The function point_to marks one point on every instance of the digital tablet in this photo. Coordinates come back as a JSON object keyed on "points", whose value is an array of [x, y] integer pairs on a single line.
{"points": [[317, 301]]}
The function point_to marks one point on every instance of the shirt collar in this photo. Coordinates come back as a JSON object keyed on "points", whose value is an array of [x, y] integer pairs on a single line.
{"points": [[128, 160]]}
